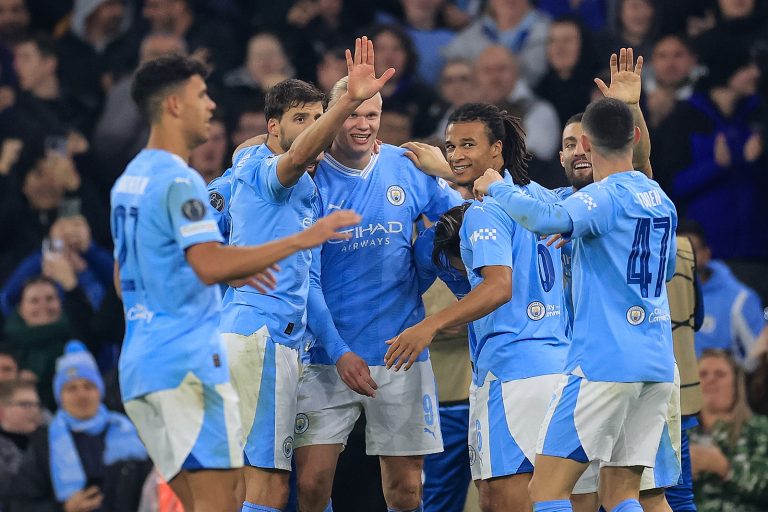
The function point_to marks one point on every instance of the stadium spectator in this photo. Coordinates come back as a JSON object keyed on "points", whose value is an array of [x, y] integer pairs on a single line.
{"points": [[758, 379], [249, 122], [266, 63], [455, 88], [88, 458], [206, 39], [14, 24], [733, 315], [20, 415], [567, 85], [743, 22], [331, 67], [396, 127], [395, 49], [9, 367], [729, 450], [708, 156], [634, 26], [423, 22], [671, 77], [43, 322], [94, 50], [497, 80], [514, 24], [120, 131], [212, 157]]}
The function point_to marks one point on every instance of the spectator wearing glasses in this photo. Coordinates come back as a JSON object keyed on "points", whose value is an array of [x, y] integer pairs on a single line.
{"points": [[19, 417]]}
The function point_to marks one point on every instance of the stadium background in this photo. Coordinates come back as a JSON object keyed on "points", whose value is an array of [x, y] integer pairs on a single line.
{"points": [[68, 126]]}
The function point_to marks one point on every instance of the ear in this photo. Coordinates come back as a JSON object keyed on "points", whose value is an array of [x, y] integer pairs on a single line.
{"points": [[496, 148], [562, 162], [273, 127], [173, 104], [585, 143], [636, 136]]}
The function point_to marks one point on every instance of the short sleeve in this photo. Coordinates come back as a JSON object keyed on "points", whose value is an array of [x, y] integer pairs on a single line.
{"points": [[191, 218], [219, 192], [591, 211], [257, 166], [488, 232]]}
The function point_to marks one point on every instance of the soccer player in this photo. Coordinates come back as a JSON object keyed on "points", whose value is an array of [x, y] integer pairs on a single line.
{"points": [[168, 254], [272, 195], [369, 283], [612, 402], [515, 306]]}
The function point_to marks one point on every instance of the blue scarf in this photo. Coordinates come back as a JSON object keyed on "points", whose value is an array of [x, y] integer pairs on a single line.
{"points": [[67, 473]]}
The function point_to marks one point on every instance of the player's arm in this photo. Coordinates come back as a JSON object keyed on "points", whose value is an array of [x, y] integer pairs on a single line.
{"points": [[362, 85], [626, 85], [494, 291], [429, 160], [534, 215], [214, 262], [352, 369]]}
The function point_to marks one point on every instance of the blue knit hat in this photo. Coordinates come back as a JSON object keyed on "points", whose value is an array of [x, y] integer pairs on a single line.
{"points": [[76, 363]]}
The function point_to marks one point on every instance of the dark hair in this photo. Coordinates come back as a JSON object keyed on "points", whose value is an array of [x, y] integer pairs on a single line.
{"points": [[291, 93], [411, 56], [683, 39], [6, 351], [688, 227], [45, 44], [447, 241], [154, 80], [609, 124], [9, 389], [575, 118], [503, 127]]}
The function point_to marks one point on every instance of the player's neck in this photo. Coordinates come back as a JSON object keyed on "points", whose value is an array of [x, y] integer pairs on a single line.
{"points": [[274, 145], [169, 140], [465, 192], [351, 159], [603, 167]]}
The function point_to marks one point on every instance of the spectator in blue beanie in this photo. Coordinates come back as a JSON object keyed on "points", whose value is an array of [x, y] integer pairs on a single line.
{"points": [[89, 459]]}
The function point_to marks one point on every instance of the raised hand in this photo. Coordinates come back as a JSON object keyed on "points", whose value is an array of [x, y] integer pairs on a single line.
{"points": [[327, 228], [363, 83], [429, 159], [625, 77]]}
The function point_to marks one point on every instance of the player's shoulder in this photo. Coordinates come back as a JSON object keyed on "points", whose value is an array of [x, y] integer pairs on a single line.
{"points": [[542, 193], [250, 157], [482, 211]]}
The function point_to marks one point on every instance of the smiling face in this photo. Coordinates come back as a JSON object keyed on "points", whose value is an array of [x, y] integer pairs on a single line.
{"points": [[40, 304], [470, 152], [358, 133], [573, 158]]}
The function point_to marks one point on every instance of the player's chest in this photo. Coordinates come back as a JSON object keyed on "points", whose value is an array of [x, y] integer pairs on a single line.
{"points": [[376, 199]]}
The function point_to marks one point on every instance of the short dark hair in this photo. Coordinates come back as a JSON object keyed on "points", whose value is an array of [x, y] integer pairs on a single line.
{"points": [[447, 241], [45, 44], [411, 55], [9, 389], [575, 118], [154, 79], [688, 227], [291, 93], [609, 124], [500, 126]]}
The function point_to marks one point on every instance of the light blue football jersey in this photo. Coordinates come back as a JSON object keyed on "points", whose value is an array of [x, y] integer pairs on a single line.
{"points": [[427, 271], [526, 336], [566, 254], [158, 210], [623, 231], [219, 194], [261, 210], [369, 281]]}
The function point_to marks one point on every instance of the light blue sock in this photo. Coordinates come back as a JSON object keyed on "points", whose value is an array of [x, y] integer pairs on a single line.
{"points": [[553, 506], [252, 507], [628, 506], [329, 507], [420, 508]]}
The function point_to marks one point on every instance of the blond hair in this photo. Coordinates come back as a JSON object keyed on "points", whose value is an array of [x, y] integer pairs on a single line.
{"points": [[338, 89], [739, 412]]}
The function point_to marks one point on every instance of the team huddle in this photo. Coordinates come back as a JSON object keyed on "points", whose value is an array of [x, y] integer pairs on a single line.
{"points": [[312, 231]]}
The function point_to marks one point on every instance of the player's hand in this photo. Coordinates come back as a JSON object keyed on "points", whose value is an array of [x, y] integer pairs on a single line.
{"points": [[363, 83], [84, 500], [405, 348], [625, 78], [328, 228], [356, 375], [484, 182], [559, 240], [263, 281], [376, 146], [429, 159]]}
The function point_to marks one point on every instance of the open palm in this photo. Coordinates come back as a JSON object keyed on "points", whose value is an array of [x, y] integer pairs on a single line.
{"points": [[363, 83], [625, 77]]}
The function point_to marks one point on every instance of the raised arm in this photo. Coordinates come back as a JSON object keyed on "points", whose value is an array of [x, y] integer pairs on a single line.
{"points": [[363, 84], [626, 86]]}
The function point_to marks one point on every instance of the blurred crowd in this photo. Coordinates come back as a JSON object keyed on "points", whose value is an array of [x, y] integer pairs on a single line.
{"points": [[68, 127]]}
